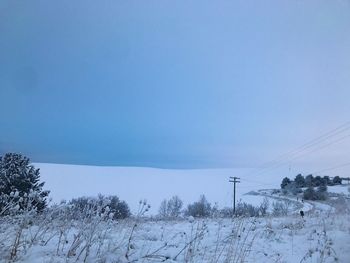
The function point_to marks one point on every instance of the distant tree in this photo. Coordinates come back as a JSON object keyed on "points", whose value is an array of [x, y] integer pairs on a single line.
{"points": [[299, 181], [309, 180], [171, 208], [20, 180], [163, 209], [202, 208], [318, 180], [337, 180], [286, 181], [174, 206], [327, 180]]}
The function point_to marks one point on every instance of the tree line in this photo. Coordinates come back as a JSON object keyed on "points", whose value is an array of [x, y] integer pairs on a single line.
{"points": [[309, 182]]}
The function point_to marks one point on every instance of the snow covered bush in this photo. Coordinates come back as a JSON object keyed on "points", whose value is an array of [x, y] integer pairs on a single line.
{"points": [[249, 210], [19, 185], [311, 194], [171, 208], [19, 214], [201, 208], [264, 207], [281, 208], [85, 206]]}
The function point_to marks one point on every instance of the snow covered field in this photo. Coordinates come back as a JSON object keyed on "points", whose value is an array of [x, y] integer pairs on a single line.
{"points": [[132, 183], [323, 235]]}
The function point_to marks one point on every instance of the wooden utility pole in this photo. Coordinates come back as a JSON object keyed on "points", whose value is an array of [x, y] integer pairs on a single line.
{"points": [[234, 180]]}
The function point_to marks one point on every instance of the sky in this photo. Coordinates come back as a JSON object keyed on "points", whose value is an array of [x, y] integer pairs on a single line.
{"points": [[173, 84]]}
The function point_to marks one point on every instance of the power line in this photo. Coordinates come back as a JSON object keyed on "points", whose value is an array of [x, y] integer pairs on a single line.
{"points": [[280, 161], [332, 168], [281, 164], [344, 127], [256, 182]]}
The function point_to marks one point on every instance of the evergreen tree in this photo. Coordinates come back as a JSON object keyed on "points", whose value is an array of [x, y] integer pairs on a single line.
{"points": [[202, 208], [327, 180], [286, 181], [20, 180], [318, 180], [309, 180], [337, 180], [299, 181]]}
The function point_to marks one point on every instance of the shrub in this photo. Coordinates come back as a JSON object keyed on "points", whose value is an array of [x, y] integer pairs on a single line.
{"points": [[226, 212], [281, 208], [244, 209], [85, 206], [19, 182], [310, 194], [171, 208], [264, 207], [163, 209], [320, 194], [202, 208], [174, 206], [292, 188]]}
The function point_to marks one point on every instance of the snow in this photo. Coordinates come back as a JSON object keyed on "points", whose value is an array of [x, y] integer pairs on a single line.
{"points": [[322, 235], [253, 199], [339, 189], [134, 183]]}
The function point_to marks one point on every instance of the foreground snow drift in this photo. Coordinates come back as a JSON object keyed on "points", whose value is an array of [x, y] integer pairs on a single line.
{"points": [[322, 236]]}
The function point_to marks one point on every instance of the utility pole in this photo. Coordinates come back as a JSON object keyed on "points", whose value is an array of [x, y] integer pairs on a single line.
{"points": [[234, 180]]}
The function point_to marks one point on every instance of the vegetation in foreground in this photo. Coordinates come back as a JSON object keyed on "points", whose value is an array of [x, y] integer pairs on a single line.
{"points": [[102, 229]]}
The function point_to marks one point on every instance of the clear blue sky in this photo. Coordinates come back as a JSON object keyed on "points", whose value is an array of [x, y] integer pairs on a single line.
{"points": [[171, 83]]}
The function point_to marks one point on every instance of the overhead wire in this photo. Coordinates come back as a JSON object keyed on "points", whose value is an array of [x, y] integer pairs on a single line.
{"points": [[300, 151], [344, 127], [332, 168]]}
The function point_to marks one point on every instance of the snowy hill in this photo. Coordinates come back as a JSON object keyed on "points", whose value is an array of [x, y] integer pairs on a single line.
{"points": [[321, 235], [133, 183]]}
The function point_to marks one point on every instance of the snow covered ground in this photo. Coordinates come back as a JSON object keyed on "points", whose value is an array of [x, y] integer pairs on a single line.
{"points": [[339, 189], [323, 235], [320, 237], [133, 183]]}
